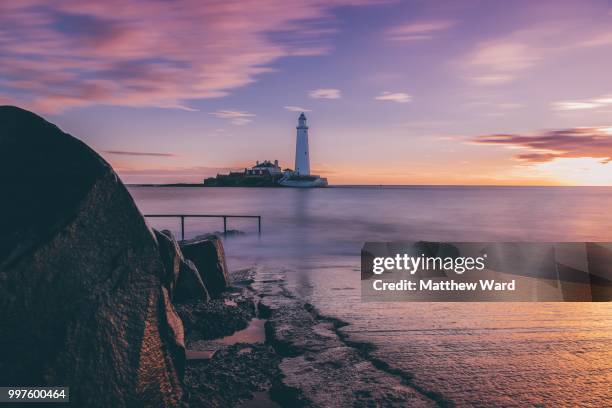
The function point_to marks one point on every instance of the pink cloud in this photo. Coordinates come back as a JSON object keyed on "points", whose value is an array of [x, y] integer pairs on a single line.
{"points": [[148, 54], [170, 174], [546, 146], [503, 59], [236, 117], [132, 153], [419, 30]]}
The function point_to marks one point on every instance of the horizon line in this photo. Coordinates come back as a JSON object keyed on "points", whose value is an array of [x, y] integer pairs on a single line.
{"points": [[186, 184]]}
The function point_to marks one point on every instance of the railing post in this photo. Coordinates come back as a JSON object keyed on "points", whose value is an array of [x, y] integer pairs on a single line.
{"points": [[182, 227], [225, 217]]}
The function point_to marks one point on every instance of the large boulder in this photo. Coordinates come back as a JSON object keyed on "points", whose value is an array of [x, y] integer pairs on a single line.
{"points": [[176, 338], [81, 298], [182, 279], [189, 287], [171, 258], [209, 258]]}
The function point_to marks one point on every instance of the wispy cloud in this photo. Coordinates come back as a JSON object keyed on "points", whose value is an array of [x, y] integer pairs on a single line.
{"points": [[170, 174], [504, 56], [418, 31], [131, 153], [600, 102], [296, 109], [172, 171], [236, 117], [325, 93], [399, 97], [598, 40], [493, 106], [492, 79], [503, 59], [58, 55], [546, 146], [498, 62]]}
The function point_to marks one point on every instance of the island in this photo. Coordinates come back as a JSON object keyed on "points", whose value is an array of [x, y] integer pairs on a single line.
{"points": [[270, 174]]}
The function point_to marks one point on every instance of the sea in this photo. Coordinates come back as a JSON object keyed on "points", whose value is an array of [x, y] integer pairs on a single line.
{"points": [[473, 354]]}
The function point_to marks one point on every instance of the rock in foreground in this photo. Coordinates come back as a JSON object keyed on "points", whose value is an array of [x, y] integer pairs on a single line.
{"points": [[189, 287], [81, 297], [182, 278], [171, 258], [209, 258]]}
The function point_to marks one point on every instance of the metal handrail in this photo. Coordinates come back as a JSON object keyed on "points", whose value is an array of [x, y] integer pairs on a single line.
{"points": [[224, 216]]}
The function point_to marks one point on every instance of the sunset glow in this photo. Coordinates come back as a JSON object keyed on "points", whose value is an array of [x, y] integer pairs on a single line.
{"points": [[584, 171], [396, 92]]}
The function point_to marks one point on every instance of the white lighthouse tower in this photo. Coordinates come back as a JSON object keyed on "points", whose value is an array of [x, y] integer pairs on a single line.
{"points": [[302, 155], [301, 176]]}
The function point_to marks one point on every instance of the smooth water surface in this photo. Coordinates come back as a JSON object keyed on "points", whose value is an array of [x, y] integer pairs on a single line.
{"points": [[505, 354]]}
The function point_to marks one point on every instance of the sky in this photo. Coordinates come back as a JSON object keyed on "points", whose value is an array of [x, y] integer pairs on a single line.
{"points": [[396, 92]]}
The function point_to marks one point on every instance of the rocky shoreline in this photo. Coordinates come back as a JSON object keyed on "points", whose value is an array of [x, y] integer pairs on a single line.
{"points": [[304, 359]]}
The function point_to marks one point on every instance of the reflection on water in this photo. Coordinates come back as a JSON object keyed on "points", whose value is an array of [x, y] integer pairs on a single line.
{"points": [[487, 354], [253, 333]]}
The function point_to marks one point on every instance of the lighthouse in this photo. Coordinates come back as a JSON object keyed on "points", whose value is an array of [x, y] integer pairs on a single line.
{"points": [[302, 156], [301, 176]]}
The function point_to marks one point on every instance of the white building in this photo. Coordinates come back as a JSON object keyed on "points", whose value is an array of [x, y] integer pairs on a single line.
{"points": [[302, 155], [264, 168]]}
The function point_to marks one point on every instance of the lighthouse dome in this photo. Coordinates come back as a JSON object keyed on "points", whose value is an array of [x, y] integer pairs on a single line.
{"points": [[302, 121]]}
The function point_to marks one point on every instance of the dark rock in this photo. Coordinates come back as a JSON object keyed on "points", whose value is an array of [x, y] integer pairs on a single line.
{"points": [[219, 234], [171, 257], [217, 318], [181, 277], [189, 286], [233, 376], [175, 336], [81, 301], [209, 257]]}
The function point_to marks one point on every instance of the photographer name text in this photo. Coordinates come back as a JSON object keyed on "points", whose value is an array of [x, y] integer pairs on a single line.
{"points": [[444, 285]]}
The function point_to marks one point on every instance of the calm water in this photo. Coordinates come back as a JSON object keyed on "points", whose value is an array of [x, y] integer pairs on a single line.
{"points": [[483, 354]]}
